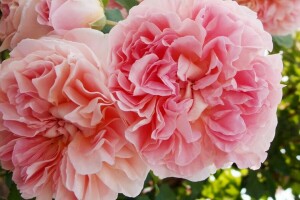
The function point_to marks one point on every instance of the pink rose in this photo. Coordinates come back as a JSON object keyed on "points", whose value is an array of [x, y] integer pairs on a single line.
{"points": [[278, 17], [18, 21], [35, 18], [195, 85], [69, 14], [60, 132]]}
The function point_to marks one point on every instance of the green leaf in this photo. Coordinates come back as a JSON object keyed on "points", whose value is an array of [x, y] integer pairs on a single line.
{"points": [[14, 193], [8, 179], [270, 184], [127, 4], [4, 55], [105, 2], [254, 187], [296, 188], [112, 15], [165, 193], [279, 164], [284, 41], [196, 188], [143, 197]]}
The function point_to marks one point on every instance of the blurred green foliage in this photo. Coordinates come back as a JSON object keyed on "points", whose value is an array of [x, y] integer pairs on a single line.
{"points": [[127, 4]]}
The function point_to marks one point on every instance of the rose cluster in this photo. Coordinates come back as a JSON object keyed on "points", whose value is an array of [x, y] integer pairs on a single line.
{"points": [[182, 88], [278, 17]]}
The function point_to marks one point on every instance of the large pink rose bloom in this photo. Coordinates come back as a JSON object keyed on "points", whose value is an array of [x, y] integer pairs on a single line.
{"points": [[278, 17], [60, 133], [35, 18], [195, 84]]}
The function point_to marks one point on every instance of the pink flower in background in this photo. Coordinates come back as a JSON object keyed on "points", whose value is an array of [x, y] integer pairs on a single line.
{"points": [[69, 14], [18, 21], [35, 18], [278, 17], [114, 5], [194, 82], [60, 132]]}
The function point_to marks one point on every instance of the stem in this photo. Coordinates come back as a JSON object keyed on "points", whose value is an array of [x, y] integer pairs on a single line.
{"points": [[111, 23]]}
